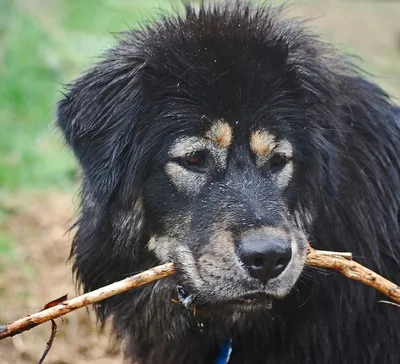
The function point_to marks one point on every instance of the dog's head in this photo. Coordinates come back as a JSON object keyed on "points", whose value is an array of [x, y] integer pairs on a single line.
{"points": [[202, 142]]}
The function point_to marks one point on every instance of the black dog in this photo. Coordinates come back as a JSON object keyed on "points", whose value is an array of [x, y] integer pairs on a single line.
{"points": [[223, 140]]}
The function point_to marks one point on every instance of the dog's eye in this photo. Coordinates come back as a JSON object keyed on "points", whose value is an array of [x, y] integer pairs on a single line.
{"points": [[197, 161], [195, 158], [278, 161]]}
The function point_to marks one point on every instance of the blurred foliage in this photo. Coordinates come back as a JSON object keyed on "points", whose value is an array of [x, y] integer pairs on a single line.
{"points": [[29, 80], [43, 44]]}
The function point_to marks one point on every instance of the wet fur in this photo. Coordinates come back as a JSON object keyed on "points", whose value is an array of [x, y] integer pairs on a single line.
{"points": [[159, 83]]}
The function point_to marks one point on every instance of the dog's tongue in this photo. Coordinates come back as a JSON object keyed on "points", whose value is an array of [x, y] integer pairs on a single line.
{"points": [[185, 298]]}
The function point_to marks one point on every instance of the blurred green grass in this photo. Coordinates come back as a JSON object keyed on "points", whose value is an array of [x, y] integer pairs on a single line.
{"points": [[42, 45]]}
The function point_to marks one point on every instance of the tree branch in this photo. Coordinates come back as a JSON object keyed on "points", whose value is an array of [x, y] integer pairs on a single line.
{"points": [[89, 298], [355, 271], [340, 262]]}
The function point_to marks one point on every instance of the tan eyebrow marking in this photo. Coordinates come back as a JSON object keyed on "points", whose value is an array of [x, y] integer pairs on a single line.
{"points": [[220, 133], [262, 143]]}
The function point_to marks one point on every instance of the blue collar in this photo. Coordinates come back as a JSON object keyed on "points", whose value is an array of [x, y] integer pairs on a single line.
{"points": [[225, 352], [186, 300]]}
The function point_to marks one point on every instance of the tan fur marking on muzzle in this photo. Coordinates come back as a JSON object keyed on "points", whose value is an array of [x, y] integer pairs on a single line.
{"points": [[268, 231], [220, 133], [223, 237], [221, 242]]}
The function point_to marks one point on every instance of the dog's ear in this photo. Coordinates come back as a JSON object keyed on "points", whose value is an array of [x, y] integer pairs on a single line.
{"points": [[99, 118], [98, 115]]}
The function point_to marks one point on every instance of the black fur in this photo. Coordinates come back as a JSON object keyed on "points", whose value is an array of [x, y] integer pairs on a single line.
{"points": [[252, 69]]}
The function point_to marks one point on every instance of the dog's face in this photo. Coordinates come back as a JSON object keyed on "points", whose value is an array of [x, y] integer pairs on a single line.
{"points": [[200, 141], [220, 209]]}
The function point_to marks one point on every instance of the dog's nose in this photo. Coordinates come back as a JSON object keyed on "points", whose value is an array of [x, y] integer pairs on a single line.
{"points": [[265, 256]]}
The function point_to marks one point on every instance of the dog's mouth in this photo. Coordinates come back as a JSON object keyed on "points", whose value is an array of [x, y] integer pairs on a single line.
{"points": [[253, 299]]}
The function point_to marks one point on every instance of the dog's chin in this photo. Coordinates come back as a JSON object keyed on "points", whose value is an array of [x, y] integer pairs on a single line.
{"points": [[247, 303], [243, 304]]}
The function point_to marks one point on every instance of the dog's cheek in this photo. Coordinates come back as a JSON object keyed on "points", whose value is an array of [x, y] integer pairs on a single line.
{"points": [[163, 203], [163, 247], [170, 243]]}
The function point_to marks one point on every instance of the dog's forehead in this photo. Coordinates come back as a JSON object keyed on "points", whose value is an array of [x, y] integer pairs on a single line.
{"points": [[223, 65], [224, 135]]}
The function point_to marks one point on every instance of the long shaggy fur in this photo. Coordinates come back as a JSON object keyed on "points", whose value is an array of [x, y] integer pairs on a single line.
{"points": [[253, 69]]}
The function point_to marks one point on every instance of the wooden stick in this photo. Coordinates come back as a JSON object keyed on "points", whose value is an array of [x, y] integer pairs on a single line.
{"points": [[100, 294], [355, 271], [317, 258]]}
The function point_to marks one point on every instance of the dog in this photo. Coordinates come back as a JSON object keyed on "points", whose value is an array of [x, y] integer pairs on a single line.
{"points": [[223, 140]]}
